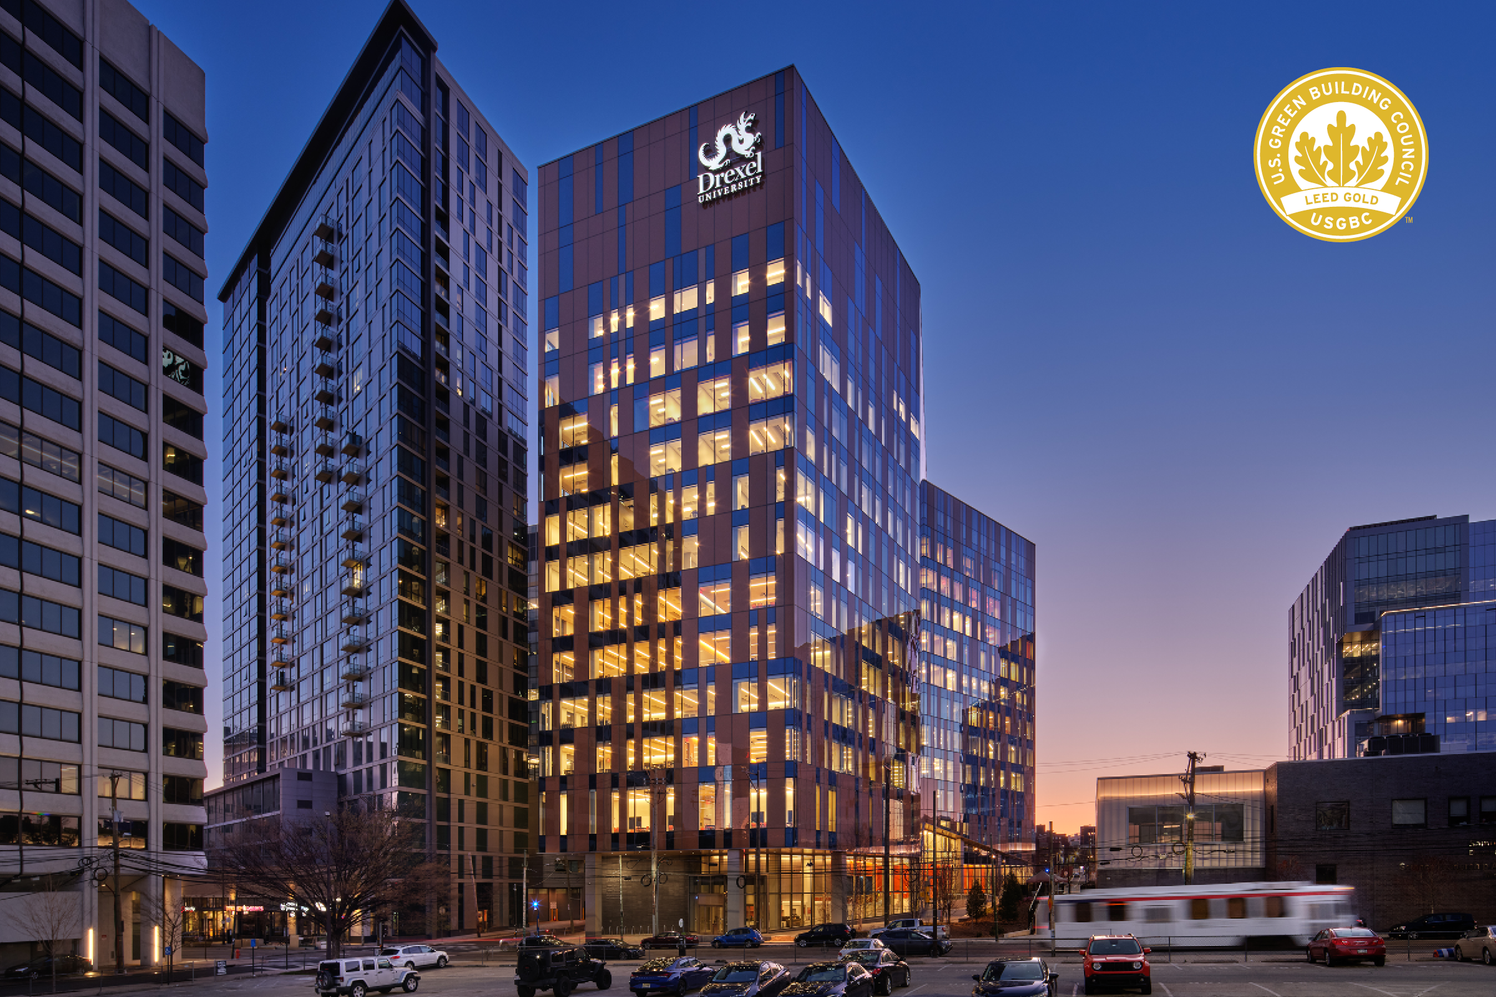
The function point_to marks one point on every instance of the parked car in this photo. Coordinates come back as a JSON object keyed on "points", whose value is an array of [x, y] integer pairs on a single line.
{"points": [[356, 977], [670, 940], [861, 945], [416, 956], [1016, 978], [42, 966], [1115, 961], [909, 941], [748, 979], [888, 969], [826, 935], [1334, 945], [739, 937], [612, 948], [1434, 926], [560, 968], [939, 931], [1478, 943], [676, 976], [832, 979]]}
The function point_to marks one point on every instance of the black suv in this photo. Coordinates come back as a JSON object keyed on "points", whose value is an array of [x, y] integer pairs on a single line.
{"points": [[1434, 926], [557, 967], [826, 935]]}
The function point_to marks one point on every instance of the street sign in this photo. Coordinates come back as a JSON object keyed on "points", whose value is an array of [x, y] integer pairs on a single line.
{"points": [[168, 950], [220, 968]]}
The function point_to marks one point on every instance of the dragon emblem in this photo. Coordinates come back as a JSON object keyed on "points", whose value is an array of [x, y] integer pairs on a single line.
{"points": [[734, 135]]}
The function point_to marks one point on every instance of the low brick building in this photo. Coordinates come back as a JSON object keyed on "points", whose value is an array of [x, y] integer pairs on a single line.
{"points": [[1412, 833]]}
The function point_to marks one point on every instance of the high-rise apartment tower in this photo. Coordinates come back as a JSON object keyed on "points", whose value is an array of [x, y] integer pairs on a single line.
{"points": [[374, 481]]}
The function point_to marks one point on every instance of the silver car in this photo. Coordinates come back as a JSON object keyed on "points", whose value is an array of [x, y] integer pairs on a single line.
{"points": [[415, 956]]}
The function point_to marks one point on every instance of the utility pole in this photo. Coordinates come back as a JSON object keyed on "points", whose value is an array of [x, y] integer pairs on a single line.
{"points": [[524, 907], [119, 921], [656, 787], [1189, 816]]}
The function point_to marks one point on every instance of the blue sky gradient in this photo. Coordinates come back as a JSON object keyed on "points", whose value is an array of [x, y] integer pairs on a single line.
{"points": [[1128, 358]]}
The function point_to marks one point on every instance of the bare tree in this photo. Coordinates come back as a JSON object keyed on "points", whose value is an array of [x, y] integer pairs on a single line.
{"points": [[945, 889], [1426, 882], [50, 916], [336, 869], [167, 913]]}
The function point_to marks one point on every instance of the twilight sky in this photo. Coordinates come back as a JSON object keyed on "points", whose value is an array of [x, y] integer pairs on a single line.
{"points": [[1128, 358]]}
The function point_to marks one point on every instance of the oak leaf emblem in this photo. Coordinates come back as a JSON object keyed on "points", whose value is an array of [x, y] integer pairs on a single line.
{"points": [[1340, 162]]}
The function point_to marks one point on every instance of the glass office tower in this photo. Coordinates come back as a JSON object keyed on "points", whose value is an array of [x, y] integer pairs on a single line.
{"points": [[375, 506], [727, 606], [977, 669], [1374, 665]]}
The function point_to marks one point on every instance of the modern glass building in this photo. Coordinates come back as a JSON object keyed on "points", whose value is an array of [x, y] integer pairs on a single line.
{"points": [[375, 489], [730, 424], [101, 477], [1388, 641], [977, 694]]}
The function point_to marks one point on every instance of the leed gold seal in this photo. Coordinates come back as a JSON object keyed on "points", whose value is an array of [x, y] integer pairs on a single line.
{"points": [[1341, 154]]}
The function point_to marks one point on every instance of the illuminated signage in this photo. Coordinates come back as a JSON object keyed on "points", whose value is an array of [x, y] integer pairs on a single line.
{"points": [[732, 163]]}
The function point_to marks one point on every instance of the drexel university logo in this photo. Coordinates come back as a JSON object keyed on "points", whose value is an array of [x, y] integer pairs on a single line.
{"points": [[1341, 154], [723, 174]]}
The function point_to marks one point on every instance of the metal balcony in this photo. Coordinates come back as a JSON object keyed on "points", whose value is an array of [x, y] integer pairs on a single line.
{"points": [[352, 444], [278, 520], [325, 231], [326, 421], [325, 315], [353, 671], [279, 471], [353, 473], [354, 530], [353, 502], [281, 565], [355, 701], [324, 448], [280, 615], [326, 396], [280, 543], [325, 289], [324, 369], [354, 643], [280, 449], [280, 494], [280, 588], [354, 588], [355, 728], [280, 636], [283, 682], [278, 426], [324, 257], [323, 342], [325, 472]]}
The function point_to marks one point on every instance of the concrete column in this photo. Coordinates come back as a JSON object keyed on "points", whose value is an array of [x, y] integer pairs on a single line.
{"points": [[592, 894], [733, 867]]}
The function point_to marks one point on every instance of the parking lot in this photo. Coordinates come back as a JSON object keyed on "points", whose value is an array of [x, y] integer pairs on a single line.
{"points": [[485, 972]]}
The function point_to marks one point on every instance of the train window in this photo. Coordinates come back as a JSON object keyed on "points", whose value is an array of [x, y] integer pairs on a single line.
{"points": [[1199, 909], [1116, 911], [1236, 907], [1082, 912], [1158, 914], [1275, 907]]}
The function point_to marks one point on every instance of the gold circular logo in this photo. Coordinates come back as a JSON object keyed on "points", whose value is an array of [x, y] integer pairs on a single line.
{"points": [[1341, 154]]}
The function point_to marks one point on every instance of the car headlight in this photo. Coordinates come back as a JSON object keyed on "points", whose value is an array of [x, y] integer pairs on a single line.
{"points": [[1137, 965]]}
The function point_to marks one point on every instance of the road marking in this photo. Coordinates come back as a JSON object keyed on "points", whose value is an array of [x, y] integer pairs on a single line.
{"points": [[919, 988], [1166, 988], [1379, 990], [1259, 986]]}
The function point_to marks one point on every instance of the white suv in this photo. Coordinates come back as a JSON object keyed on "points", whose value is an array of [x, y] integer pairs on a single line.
{"points": [[413, 956], [356, 977]]}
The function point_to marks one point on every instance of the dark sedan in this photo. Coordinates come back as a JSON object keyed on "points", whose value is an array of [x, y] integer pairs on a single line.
{"points": [[670, 976], [748, 979], [888, 969], [832, 979], [612, 948], [1434, 926], [908, 941], [826, 935], [42, 966], [1016, 978], [670, 940]]}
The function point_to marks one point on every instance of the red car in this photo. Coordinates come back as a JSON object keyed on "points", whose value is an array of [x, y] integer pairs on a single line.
{"points": [[1345, 945], [1116, 961]]}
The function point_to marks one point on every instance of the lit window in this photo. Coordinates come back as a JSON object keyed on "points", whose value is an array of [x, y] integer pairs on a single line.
{"points": [[716, 647], [656, 308], [776, 329], [740, 283], [715, 598], [664, 408], [775, 273], [690, 551], [669, 605], [685, 703], [613, 320], [714, 395], [713, 447], [740, 492], [771, 380], [740, 543], [563, 621], [657, 362], [664, 458], [685, 353], [761, 591], [596, 376], [758, 752], [605, 757], [552, 340], [784, 692], [607, 661], [745, 695], [574, 430], [688, 502], [574, 479], [825, 308], [564, 666], [552, 391], [773, 433], [654, 703], [659, 752], [740, 339], [685, 300], [595, 327]]}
